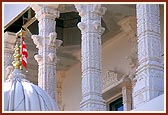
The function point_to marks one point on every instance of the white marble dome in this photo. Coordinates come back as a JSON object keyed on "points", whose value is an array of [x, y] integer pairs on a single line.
{"points": [[21, 95]]}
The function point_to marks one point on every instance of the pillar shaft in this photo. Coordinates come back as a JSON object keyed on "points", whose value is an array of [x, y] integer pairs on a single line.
{"points": [[47, 44], [149, 77], [91, 31]]}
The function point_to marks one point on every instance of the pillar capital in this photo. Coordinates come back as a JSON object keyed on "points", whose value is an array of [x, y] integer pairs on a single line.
{"points": [[50, 41], [94, 27], [46, 15], [45, 11], [90, 18], [83, 9]]}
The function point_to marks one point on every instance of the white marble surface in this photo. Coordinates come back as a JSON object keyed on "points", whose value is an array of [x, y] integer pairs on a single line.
{"points": [[91, 31], [150, 74], [21, 95]]}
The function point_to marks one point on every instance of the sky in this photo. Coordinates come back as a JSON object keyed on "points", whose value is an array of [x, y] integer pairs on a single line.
{"points": [[12, 10]]}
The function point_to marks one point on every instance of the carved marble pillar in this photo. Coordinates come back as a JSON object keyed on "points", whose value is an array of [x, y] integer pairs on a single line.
{"points": [[91, 31], [47, 44], [9, 43], [127, 94], [149, 77]]}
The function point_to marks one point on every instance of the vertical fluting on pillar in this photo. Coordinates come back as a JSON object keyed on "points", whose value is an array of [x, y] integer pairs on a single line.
{"points": [[91, 31], [9, 43], [47, 44], [149, 77]]}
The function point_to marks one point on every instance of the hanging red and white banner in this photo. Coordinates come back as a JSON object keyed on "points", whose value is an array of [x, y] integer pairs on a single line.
{"points": [[24, 53]]}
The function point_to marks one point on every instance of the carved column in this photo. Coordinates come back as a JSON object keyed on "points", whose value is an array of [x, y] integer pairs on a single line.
{"points": [[47, 44], [9, 43], [127, 94], [149, 77], [91, 31]]}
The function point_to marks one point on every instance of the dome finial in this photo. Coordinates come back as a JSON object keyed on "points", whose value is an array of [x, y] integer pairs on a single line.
{"points": [[17, 64], [17, 56]]}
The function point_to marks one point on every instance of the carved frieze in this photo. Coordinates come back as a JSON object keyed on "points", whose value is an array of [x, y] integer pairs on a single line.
{"points": [[111, 78]]}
